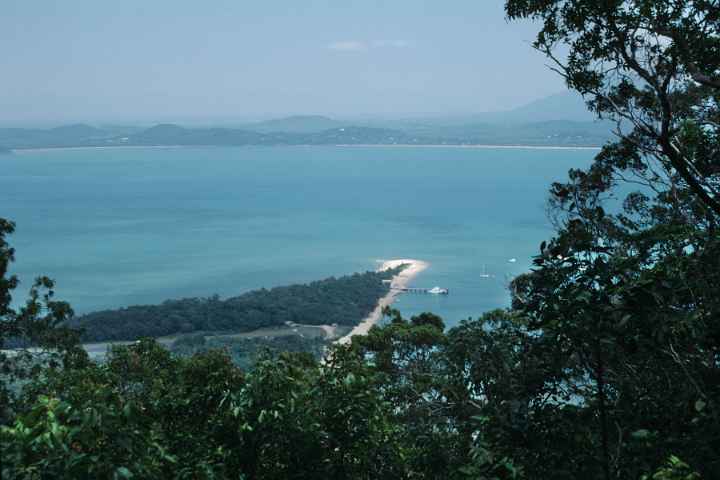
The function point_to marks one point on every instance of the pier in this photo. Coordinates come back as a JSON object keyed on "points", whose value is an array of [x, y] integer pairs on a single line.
{"points": [[432, 291]]}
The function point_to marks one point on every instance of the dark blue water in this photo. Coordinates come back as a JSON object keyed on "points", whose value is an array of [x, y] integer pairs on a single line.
{"points": [[117, 227]]}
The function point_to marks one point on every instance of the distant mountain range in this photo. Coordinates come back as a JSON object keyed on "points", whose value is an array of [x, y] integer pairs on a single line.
{"points": [[566, 106], [65, 136], [556, 120]]}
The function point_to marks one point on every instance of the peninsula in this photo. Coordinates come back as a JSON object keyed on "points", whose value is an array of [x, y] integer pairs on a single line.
{"points": [[407, 269]]}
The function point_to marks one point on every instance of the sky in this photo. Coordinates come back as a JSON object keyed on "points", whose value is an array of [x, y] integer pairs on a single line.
{"points": [[230, 60]]}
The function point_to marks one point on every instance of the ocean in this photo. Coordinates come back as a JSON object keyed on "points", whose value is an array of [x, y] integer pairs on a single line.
{"points": [[128, 226]]}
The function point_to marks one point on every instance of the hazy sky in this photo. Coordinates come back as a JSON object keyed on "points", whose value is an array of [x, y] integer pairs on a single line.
{"points": [[222, 60]]}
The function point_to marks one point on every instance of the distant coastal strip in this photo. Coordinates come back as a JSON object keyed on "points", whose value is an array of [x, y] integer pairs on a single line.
{"points": [[368, 145], [509, 147], [401, 280], [103, 147]]}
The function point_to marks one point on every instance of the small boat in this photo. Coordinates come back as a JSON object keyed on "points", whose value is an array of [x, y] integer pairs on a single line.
{"points": [[485, 274], [438, 291]]}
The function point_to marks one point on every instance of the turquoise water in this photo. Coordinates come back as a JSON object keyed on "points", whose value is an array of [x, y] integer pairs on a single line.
{"points": [[117, 227]]}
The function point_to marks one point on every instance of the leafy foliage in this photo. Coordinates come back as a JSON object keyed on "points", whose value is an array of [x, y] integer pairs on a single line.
{"points": [[630, 297], [36, 323], [654, 67], [147, 414], [244, 352]]}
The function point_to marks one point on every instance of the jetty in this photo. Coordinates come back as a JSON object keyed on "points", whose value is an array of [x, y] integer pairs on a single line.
{"points": [[432, 291]]}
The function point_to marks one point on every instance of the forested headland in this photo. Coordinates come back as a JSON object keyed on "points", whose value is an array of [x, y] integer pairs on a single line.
{"points": [[345, 301], [606, 365]]}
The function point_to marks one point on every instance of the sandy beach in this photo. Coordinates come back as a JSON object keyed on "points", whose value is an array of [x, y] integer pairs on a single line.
{"points": [[353, 145], [97, 147], [401, 280], [472, 146]]}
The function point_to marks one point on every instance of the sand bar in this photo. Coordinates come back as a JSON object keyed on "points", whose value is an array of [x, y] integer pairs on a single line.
{"points": [[401, 280]]}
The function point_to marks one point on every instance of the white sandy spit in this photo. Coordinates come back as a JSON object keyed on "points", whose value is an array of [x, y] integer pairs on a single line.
{"points": [[401, 280]]}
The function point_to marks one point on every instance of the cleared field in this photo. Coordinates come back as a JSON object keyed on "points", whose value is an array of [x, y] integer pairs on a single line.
{"points": [[98, 351]]}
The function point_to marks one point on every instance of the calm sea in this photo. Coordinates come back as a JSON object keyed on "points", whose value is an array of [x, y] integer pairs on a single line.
{"points": [[118, 227]]}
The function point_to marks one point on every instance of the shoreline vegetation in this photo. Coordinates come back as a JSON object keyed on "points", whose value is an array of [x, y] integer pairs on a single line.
{"points": [[403, 272], [342, 301], [282, 330], [244, 346]]}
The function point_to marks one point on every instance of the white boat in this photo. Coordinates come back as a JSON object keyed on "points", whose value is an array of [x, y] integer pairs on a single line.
{"points": [[438, 291], [485, 274]]}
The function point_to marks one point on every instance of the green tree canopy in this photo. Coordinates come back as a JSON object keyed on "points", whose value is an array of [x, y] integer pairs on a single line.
{"points": [[37, 325]]}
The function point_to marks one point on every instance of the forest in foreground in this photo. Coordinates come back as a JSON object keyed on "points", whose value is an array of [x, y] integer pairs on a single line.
{"points": [[606, 366]]}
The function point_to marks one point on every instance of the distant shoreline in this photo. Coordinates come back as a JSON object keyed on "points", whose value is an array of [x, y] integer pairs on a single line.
{"points": [[480, 146], [369, 145], [98, 147]]}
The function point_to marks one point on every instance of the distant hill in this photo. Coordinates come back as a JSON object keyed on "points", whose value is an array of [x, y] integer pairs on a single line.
{"points": [[358, 135], [555, 132], [169, 134], [568, 106], [546, 133], [121, 130], [296, 124], [65, 136], [78, 130], [560, 119]]}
